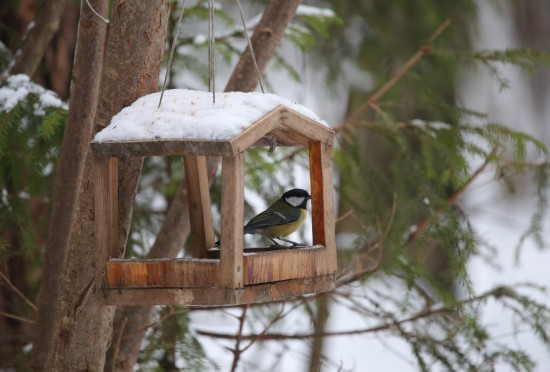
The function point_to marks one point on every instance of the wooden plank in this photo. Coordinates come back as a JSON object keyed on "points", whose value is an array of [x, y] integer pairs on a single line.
{"points": [[322, 202], [106, 212], [317, 193], [169, 273], [329, 212], [304, 126], [259, 267], [231, 248], [282, 265], [214, 253], [290, 127], [200, 212], [162, 148], [255, 131], [205, 297]]}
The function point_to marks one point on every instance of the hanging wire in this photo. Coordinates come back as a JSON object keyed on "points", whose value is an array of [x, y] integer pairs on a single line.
{"points": [[172, 52], [211, 42], [250, 46], [96, 13]]}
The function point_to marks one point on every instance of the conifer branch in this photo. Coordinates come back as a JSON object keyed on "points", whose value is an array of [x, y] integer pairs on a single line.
{"points": [[413, 60]]}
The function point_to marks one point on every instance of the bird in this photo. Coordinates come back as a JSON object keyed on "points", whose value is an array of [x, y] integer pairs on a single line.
{"points": [[282, 218]]}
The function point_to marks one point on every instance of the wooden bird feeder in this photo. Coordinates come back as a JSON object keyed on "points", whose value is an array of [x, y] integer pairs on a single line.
{"points": [[237, 276]]}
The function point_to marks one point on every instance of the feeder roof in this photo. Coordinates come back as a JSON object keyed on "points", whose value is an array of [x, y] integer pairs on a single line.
{"points": [[191, 115], [188, 123]]}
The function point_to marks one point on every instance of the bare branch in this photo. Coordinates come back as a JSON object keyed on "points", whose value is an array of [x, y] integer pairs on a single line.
{"points": [[17, 291], [17, 317], [237, 351], [497, 292], [370, 102]]}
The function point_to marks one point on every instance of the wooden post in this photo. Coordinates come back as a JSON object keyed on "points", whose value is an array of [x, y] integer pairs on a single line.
{"points": [[322, 195], [317, 193], [200, 213], [106, 213], [231, 248]]}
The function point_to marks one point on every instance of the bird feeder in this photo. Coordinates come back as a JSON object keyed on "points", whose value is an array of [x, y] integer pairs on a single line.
{"points": [[237, 276]]}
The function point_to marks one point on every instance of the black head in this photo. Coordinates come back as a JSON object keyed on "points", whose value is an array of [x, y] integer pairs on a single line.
{"points": [[297, 198]]}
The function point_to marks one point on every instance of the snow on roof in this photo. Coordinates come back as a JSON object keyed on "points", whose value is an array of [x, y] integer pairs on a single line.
{"points": [[190, 114]]}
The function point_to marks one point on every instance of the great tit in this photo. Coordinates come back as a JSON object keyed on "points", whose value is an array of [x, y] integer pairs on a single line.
{"points": [[282, 218]]}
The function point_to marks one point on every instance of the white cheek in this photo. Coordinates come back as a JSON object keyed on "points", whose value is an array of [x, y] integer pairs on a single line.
{"points": [[295, 200]]}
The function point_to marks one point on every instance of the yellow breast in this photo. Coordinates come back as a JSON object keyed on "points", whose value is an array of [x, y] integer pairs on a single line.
{"points": [[284, 230]]}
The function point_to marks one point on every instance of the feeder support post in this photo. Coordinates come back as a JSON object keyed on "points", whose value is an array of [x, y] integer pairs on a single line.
{"points": [[322, 199], [106, 213], [231, 247], [200, 213]]}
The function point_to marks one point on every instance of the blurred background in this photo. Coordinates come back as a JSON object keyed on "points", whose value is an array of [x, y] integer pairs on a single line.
{"points": [[441, 167]]}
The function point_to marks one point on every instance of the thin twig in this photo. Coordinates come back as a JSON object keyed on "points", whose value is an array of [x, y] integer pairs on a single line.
{"points": [[237, 350], [344, 216], [117, 348], [280, 315], [382, 327], [26, 320], [352, 118], [17, 291], [157, 322], [453, 199], [357, 273]]}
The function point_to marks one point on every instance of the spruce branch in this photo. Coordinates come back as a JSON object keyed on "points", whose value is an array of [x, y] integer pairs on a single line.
{"points": [[352, 119], [453, 199]]}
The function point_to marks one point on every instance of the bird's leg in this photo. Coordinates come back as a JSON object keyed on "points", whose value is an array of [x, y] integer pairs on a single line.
{"points": [[273, 240], [291, 242]]}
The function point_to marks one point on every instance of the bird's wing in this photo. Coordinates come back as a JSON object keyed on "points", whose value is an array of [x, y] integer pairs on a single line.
{"points": [[271, 218]]}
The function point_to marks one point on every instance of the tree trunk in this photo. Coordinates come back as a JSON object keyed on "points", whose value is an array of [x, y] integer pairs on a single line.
{"points": [[80, 329], [133, 321], [70, 171], [59, 57], [38, 37]]}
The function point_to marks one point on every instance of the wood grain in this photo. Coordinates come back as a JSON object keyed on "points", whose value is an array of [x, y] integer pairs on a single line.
{"points": [[281, 265], [162, 272], [106, 212], [231, 252], [200, 210], [163, 148], [303, 126], [259, 268], [206, 297], [322, 201], [234, 278], [256, 131], [291, 128]]}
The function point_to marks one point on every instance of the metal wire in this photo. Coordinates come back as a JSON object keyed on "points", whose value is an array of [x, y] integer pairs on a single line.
{"points": [[250, 46], [211, 44], [172, 49]]}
